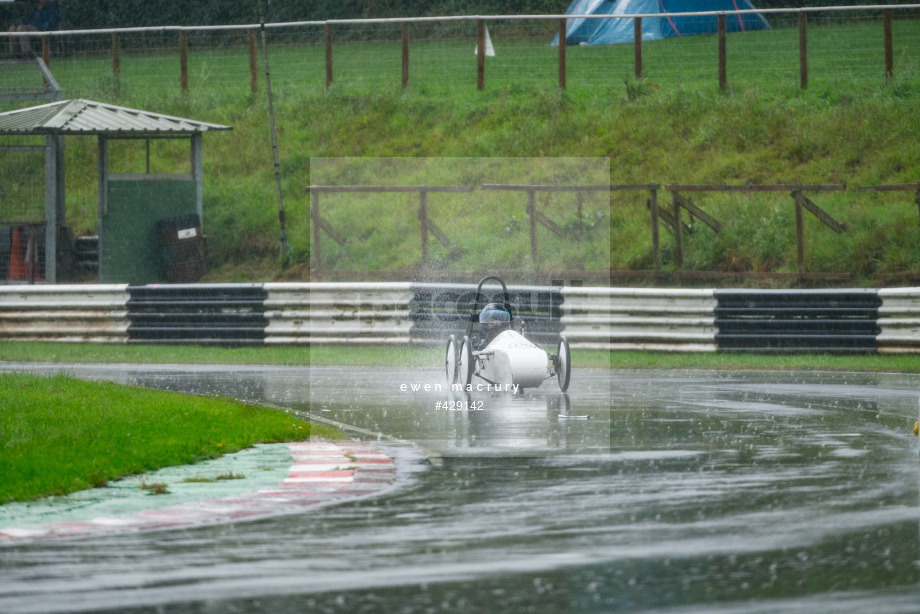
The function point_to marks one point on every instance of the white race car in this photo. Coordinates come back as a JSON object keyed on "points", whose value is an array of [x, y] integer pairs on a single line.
{"points": [[500, 355]]}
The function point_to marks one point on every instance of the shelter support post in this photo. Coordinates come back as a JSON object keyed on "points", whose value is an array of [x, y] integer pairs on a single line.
{"points": [[198, 175]]}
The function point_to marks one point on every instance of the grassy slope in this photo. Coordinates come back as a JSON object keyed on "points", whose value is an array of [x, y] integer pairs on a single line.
{"points": [[60, 435], [848, 127]]}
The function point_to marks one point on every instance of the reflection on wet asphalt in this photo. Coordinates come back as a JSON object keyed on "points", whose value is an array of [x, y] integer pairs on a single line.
{"points": [[640, 491]]}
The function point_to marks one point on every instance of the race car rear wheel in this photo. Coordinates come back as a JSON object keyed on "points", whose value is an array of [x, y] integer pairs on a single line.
{"points": [[465, 366], [450, 359], [563, 364]]}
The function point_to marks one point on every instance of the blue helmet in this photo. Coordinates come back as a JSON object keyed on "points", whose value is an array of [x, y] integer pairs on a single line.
{"points": [[494, 316]]}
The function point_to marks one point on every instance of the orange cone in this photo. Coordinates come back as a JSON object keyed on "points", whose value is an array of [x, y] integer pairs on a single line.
{"points": [[18, 269]]}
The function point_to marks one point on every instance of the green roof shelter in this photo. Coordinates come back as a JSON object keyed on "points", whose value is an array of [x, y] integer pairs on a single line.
{"points": [[130, 204]]}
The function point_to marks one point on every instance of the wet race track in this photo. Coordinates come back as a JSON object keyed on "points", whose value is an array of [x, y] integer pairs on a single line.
{"points": [[636, 491]]}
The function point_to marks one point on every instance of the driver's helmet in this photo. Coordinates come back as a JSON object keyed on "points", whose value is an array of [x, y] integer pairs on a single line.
{"points": [[494, 317]]}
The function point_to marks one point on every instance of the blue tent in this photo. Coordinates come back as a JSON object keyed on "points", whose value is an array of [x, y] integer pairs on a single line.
{"points": [[607, 31]]}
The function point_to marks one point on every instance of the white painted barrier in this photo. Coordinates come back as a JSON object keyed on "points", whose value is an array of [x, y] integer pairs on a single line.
{"points": [[673, 320], [65, 313], [899, 320], [338, 313], [639, 319]]}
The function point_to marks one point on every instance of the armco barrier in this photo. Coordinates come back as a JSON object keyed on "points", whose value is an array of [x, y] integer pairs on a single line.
{"points": [[197, 313], [75, 313], [861, 320], [899, 320], [639, 319], [786, 321], [338, 313]]}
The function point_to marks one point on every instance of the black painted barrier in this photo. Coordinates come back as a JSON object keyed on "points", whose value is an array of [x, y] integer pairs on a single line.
{"points": [[197, 313], [786, 321], [438, 310]]}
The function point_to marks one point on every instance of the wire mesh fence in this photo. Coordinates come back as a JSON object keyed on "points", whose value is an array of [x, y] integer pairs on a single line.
{"points": [[842, 44]]}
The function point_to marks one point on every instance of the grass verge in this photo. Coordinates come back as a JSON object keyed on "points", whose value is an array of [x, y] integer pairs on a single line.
{"points": [[423, 357], [60, 435]]}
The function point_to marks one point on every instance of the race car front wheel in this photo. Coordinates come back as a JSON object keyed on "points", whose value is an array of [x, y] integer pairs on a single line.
{"points": [[465, 367], [450, 360], [563, 364]]}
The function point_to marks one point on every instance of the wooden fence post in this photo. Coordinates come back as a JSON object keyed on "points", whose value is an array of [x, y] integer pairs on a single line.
{"points": [[405, 55], [803, 50], [423, 218], [183, 59], [253, 63], [799, 231], [531, 213], [328, 55], [316, 252], [562, 46], [679, 244], [723, 70], [116, 60], [637, 26], [889, 49], [653, 207], [480, 54]]}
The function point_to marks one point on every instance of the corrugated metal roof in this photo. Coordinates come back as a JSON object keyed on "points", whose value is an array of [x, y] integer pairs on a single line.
{"points": [[88, 117]]}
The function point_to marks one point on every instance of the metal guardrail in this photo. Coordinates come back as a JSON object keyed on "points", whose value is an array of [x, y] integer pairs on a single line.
{"points": [[810, 321], [71, 313], [639, 319], [673, 320], [899, 321], [338, 313], [197, 313]]}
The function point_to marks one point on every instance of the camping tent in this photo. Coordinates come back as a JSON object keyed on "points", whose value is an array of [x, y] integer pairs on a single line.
{"points": [[606, 31]]}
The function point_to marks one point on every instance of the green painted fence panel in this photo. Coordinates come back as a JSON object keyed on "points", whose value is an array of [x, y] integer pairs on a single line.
{"points": [[128, 243]]}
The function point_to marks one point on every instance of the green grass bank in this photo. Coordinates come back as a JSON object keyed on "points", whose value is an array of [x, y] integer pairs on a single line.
{"points": [[60, 435], [675, 126]]}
